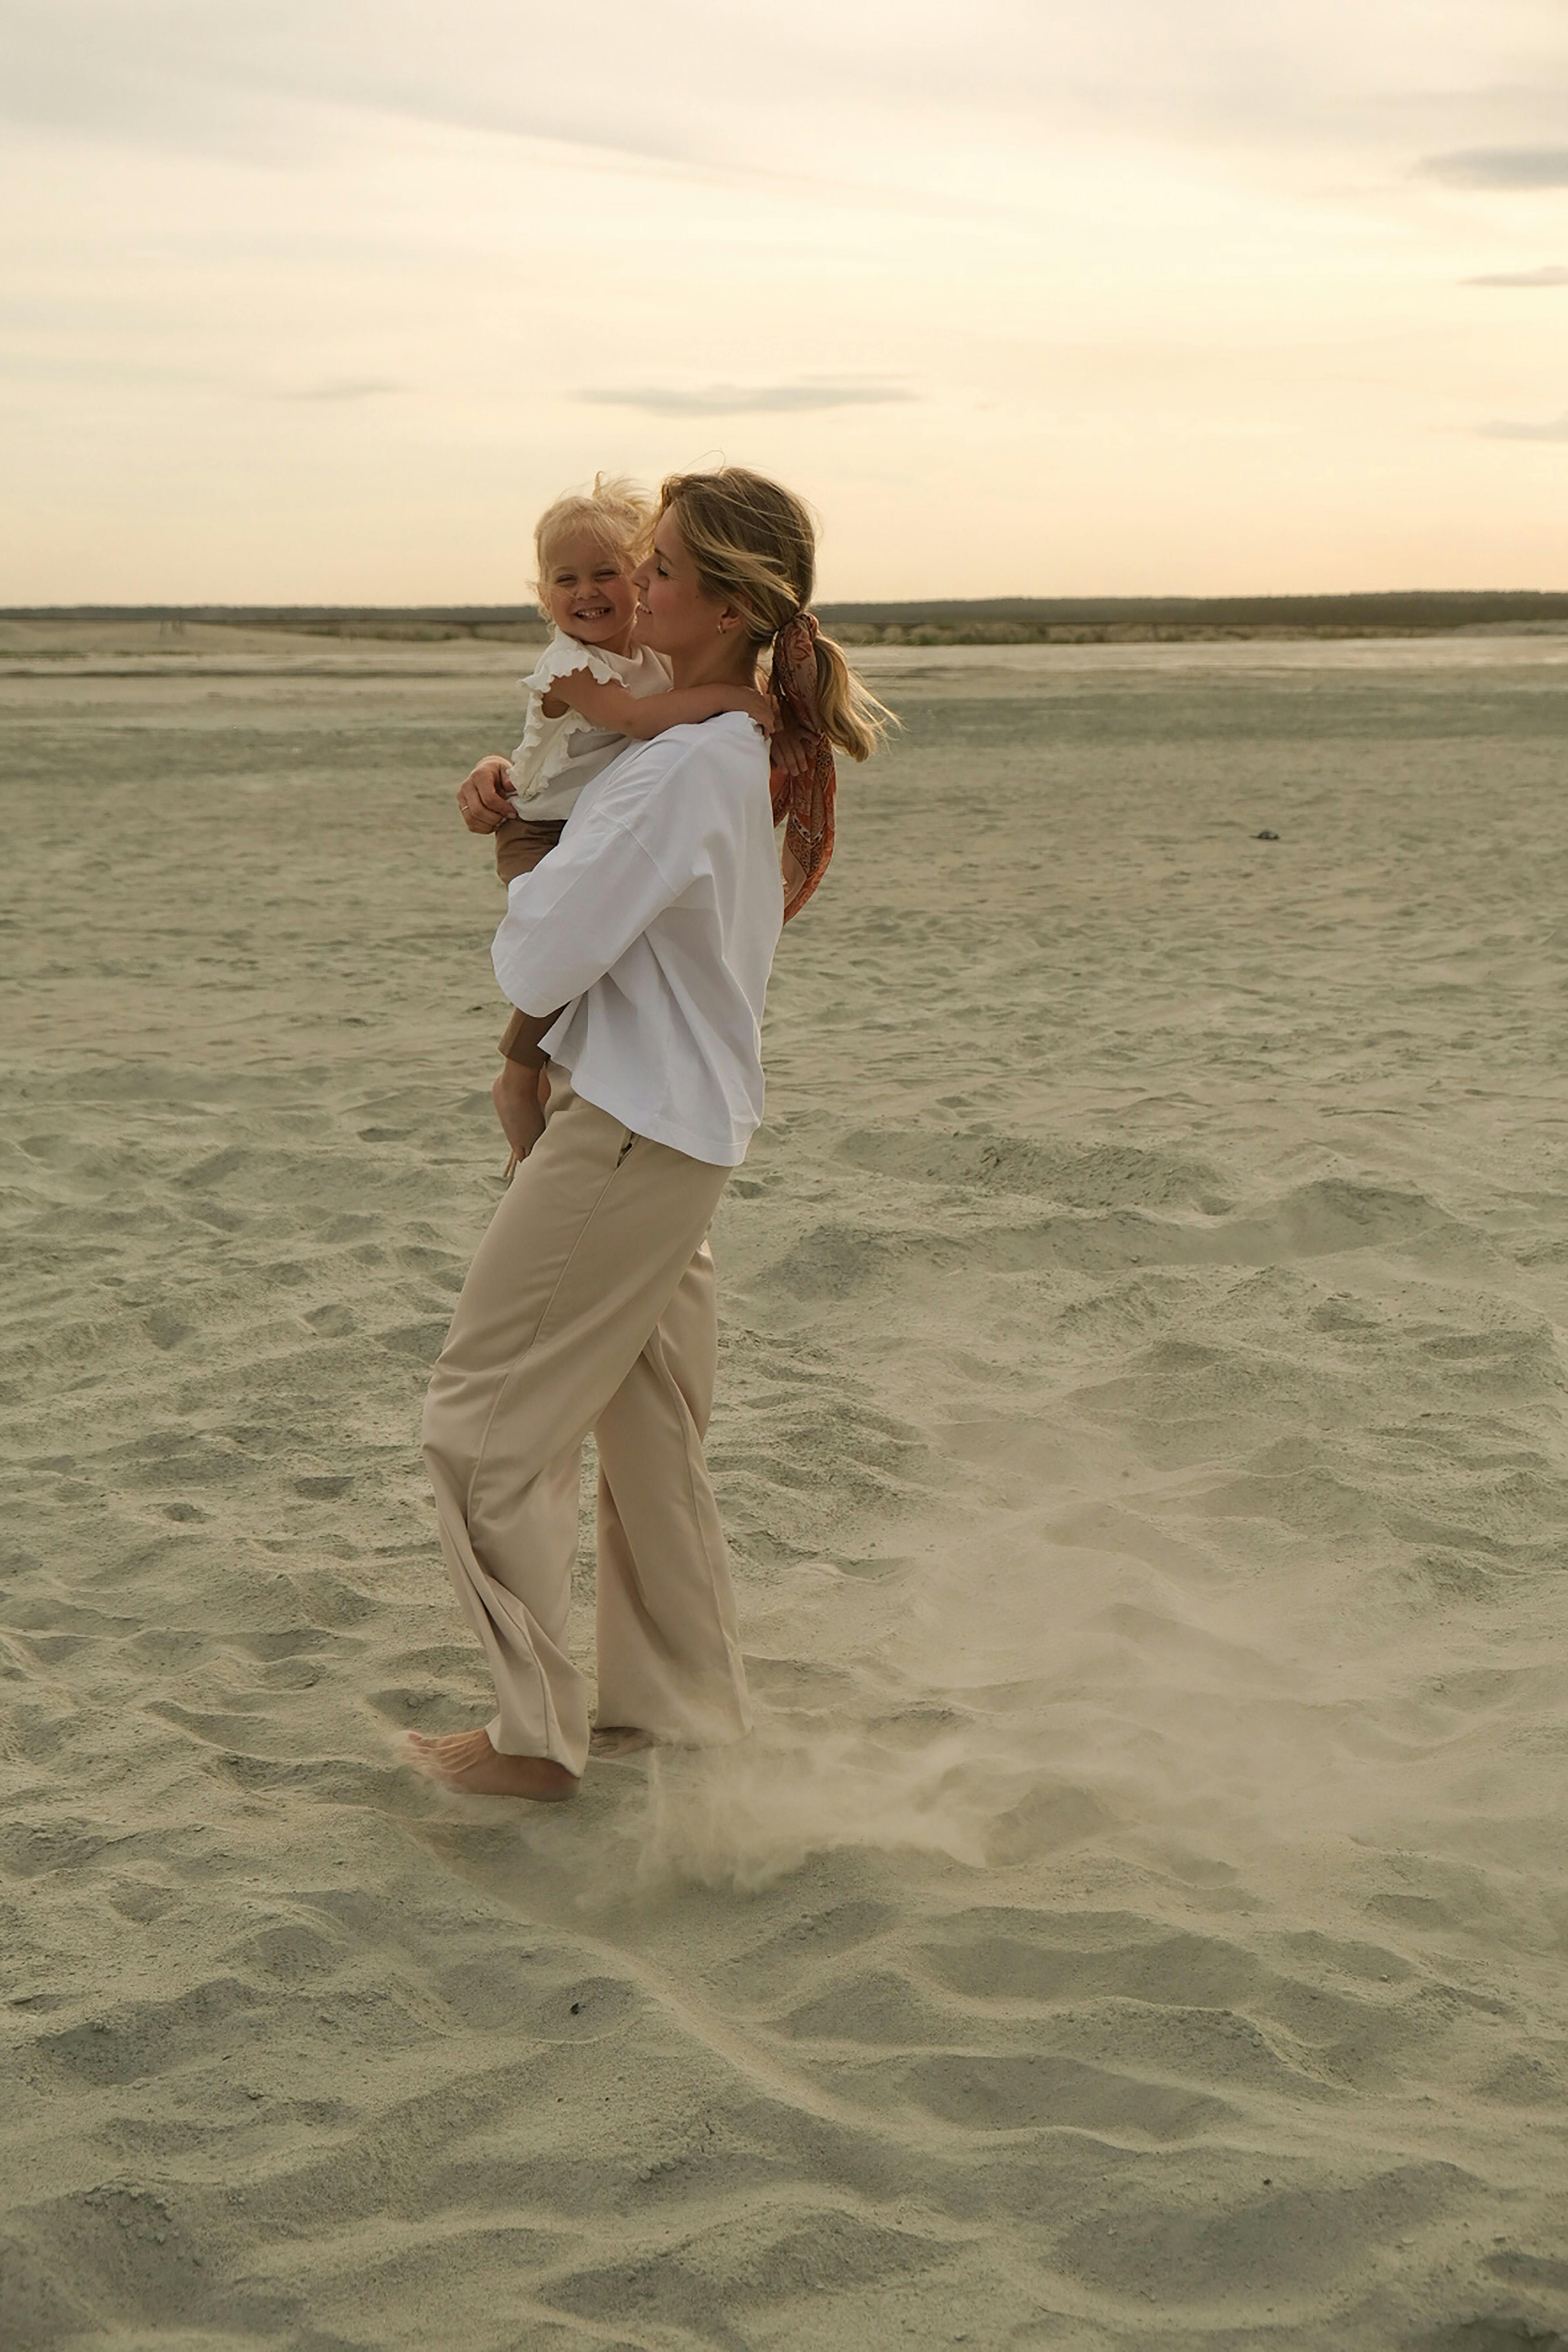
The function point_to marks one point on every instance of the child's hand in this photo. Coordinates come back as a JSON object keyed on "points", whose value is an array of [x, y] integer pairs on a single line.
{"points": [[484, 796], [789, 750], [515, 1095], [758, 707]]}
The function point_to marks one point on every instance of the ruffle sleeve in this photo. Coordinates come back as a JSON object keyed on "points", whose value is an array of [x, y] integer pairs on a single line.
{"points": [[563, 655]]}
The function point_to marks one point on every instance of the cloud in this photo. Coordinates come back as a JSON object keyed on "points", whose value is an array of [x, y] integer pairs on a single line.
{"points": [[905, 120], [1500, 167], [1505, 430], [746, 400], [340, 388], [1554, 274]]}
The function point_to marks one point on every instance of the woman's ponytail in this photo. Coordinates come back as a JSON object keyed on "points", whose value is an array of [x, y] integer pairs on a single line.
{"points": [[851, 715]]}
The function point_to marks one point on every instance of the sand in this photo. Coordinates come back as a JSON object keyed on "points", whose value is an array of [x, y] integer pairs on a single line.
{"points": [[1140, 1919]]}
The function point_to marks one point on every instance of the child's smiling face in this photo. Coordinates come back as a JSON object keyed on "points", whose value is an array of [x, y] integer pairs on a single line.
{"points": [[590, 594]]}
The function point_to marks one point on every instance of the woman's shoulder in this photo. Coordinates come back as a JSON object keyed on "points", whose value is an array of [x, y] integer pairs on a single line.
{"points": [[686, 770]]}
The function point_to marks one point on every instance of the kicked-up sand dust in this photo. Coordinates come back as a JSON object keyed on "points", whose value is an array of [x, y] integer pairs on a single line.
{"points": [[1140, 1919]]}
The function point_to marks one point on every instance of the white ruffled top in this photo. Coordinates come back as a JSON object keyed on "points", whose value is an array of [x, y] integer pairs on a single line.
{"points": [[558, 756]]}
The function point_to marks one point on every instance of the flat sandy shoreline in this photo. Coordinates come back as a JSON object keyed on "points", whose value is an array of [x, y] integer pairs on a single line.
{"points": [[1138, 1921]]}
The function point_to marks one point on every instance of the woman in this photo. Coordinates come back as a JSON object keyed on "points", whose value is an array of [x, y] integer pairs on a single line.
{"points": [[590, 1304]]}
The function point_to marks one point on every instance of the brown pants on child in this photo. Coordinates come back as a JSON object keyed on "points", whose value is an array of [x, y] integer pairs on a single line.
{"points": [[520, 842]]}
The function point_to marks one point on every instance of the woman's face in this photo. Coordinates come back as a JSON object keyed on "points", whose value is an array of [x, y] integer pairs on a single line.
{"points": [[675, 615]]}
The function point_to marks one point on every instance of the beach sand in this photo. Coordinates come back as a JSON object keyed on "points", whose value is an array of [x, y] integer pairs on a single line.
{"points": [[1140, 1918]]}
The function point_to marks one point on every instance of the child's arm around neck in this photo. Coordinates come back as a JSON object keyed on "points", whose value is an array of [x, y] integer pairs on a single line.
{"points": [[643, 715]]}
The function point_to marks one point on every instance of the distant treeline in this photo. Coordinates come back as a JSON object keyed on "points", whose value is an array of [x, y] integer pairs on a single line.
{"points": [[987, 620], [1022, 620], [417, 623]]}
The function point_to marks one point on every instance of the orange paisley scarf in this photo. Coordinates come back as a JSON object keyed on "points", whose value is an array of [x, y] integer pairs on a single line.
{"points": [[802, 805]]}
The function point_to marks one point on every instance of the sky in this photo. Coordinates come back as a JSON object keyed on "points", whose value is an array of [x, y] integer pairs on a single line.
{"points": [[323, 301]]}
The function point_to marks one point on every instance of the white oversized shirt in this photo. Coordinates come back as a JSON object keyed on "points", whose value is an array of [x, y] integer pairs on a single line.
{"points": [[654, 921]]}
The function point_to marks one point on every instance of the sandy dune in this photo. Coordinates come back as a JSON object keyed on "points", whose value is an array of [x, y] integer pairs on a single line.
{"points": [[1140, 1919]]}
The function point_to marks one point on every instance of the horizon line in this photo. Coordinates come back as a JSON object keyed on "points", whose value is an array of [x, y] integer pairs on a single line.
{"points": [[1001, 607]]}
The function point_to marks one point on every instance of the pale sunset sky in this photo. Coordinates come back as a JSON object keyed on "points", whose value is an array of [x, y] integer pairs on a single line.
{"points": [[322, 300]]}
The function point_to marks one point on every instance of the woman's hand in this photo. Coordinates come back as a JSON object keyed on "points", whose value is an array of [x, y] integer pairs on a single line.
{"points": [[483, 799]]}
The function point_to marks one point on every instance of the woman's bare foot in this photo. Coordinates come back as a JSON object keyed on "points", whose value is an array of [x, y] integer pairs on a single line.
{"points": [[515, 1095], [466, 1760], [612, 1739]]}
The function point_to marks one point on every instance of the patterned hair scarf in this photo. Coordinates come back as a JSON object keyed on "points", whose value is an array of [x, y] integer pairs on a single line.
{"points": [[802, 805]]}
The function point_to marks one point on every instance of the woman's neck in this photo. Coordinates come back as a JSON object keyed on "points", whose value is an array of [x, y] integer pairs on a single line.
{"points": [[724, 663], [620, 644]]}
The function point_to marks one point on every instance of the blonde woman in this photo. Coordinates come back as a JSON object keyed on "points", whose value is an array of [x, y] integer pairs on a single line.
{"points": [[590, 1303]]}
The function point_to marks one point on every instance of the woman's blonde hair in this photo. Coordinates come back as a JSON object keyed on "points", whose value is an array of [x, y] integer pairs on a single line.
{"points": [[616, 512], [754, 544]]}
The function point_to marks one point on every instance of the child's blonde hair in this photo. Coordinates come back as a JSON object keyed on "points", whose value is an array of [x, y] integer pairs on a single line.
{"points": [[618, 512], [754, 544]]}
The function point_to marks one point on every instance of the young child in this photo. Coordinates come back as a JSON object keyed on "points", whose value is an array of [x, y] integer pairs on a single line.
{"points": [[589, 694]]}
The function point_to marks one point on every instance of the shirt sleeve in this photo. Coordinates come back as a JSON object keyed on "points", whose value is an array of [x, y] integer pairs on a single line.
{"points": [[562, 658], [575, 915]]}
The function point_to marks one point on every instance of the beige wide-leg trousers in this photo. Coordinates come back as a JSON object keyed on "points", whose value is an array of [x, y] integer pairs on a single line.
{"points": [[590, 1306]]}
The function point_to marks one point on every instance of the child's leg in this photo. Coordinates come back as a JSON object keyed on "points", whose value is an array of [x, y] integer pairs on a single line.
{"points": [[518, 1093], [520, 842]]}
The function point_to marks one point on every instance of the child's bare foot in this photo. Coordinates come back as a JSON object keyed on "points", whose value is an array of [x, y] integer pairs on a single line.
{"points": [[612, 1739], [515, 1095], [466, 1760]]}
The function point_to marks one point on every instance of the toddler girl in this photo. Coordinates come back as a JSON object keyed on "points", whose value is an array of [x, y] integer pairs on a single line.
{"points": [[589, 694]]}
